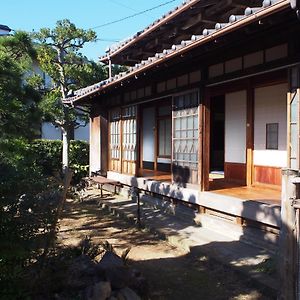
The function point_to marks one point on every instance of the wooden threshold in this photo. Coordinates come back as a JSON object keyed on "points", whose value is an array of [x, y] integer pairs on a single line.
{"points": [[155, 175]]}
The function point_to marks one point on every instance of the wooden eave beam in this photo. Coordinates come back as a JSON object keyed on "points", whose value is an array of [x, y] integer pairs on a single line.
{"points": [[278, 7], [221, 6], [192, 21], [240, 4]]}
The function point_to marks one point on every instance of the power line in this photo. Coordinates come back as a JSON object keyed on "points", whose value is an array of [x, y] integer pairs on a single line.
{"points": [[134, 15], [123, 5], [126, 6]]}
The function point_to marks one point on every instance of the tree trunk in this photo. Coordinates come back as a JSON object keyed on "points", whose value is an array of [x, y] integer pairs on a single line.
{"points": [[65, 150], [65, 127]]}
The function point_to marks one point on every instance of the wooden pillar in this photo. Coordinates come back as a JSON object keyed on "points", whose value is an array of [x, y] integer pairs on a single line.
{"points": [[200, 144], [249, 134], [95, 155], [288, 258], [206, 139], [293, 117], [98, 143], [104, 144], [289, 232]]}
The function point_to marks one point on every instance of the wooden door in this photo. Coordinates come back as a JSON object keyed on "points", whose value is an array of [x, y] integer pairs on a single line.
{"points": [[115, 140], [129, 140]]}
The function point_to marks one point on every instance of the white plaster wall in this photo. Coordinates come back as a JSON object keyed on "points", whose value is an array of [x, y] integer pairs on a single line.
{"points": [[235, 127], [270, 107], [50, 132], [37, 70], [148, 134], [4, 32], [82, 133], [95, 144]]}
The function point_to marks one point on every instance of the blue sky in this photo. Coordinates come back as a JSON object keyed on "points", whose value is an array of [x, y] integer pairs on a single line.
{"points": [[32, 15]]}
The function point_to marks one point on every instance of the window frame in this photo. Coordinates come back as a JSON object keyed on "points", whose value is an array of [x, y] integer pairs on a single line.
{"points": [[159, 119], [269, 131]]}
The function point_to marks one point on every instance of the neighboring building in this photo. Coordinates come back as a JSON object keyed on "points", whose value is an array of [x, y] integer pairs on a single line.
{"points": [[208, 112], [48, 130], [4, 30], [51, 132]]}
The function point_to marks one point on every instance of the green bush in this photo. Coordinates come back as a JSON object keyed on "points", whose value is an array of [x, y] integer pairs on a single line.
{"points": [[28, 201], [48, 155], [27, 204]]}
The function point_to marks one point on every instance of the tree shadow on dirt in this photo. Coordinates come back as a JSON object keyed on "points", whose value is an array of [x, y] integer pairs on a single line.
{"points": [[194, 275]]}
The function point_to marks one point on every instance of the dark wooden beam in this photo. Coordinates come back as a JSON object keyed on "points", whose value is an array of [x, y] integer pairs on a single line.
{"points": [[214, 10], [241, 4], [192, 21], [249, 134]]}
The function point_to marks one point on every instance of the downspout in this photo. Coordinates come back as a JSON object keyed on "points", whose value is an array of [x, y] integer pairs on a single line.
{"points": [[109, 68], [295, 5]]}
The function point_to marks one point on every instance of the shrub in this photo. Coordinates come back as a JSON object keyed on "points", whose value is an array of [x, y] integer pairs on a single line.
{"points": [[27, 204], [48, 155]]}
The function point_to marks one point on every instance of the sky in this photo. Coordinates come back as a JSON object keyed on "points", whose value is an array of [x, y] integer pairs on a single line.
{"points": [[31, 15]]}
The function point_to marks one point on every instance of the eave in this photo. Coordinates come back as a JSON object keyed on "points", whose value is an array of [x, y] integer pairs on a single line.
{"points": [[253, 15]]}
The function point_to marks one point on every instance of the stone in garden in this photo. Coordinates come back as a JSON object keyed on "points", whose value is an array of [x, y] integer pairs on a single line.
{"points": [[115, 271], [99, 291], [81, 272], [110, 260], [129, 294]]}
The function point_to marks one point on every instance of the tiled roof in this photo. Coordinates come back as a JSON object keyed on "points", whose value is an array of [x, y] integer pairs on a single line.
{"points": [[114, 48], [250, 15]]}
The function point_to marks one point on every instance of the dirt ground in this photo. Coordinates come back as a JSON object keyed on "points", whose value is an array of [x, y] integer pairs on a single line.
{"points": [[172, 273]]}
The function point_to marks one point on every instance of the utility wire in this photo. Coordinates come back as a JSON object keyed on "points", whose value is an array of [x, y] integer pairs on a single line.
{"points": [[132, 16], [123, 5], [128, 7]]}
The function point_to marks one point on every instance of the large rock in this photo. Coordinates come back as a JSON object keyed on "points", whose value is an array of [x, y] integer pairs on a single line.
{"points": [[120, 275], [115, 271], [81, 272], [110, 260], [127, 294], [99, 291]]}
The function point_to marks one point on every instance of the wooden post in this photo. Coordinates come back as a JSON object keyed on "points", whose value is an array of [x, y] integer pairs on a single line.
{"points": [[138, 207], [249, 134], [206, 140], [288, 258], [95, 151]]}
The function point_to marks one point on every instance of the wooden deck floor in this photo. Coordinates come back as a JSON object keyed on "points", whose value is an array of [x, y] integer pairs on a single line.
{"points": [[262, 194], [155, 175]]}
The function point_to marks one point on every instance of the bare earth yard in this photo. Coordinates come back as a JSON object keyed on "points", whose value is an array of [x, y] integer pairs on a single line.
{"points": [[172, 274]]}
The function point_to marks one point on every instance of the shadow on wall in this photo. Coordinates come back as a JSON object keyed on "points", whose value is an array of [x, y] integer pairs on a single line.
{"points": [[181, 175]]}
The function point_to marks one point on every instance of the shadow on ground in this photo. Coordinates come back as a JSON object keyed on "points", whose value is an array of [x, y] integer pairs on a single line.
{"points": [[172, 273]]}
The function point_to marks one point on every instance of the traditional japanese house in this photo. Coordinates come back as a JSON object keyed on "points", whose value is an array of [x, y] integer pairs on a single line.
{"points": [[208, 111]]}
